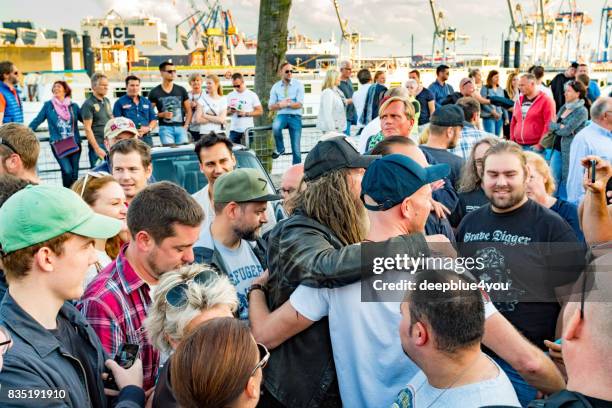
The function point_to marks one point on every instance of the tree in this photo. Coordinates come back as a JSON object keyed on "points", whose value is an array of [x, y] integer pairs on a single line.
{"points": [[271, 48]]}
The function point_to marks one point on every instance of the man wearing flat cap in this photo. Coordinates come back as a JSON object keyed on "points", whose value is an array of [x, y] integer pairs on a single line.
{"points": [[444, 133]]}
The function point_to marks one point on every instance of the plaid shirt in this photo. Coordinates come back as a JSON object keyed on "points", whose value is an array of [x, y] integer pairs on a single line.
{"points": [[469, 136], [115, 303]]}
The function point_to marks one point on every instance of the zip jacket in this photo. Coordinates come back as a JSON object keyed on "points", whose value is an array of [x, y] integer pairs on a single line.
{"points": [[529, 131]]}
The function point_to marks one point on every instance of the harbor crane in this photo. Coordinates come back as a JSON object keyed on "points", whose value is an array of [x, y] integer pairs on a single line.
{"points": [[605, 32], [443, 35], [353, 38]]}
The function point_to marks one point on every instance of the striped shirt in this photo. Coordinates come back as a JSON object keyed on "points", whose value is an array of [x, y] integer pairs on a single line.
{"points": [[115, 303]]}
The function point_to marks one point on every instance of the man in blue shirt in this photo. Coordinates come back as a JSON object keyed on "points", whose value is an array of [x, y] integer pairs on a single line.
{"points": [[287, 99], [595, 139], [593, 92], [439, 87], [137, 108]]}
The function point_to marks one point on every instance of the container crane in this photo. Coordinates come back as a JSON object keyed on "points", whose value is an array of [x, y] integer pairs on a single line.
{"points": [[443, 34], [605, 33], [353, 38]]}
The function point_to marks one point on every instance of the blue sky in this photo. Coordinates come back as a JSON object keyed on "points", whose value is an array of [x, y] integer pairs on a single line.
{"points": [[390, 22]]}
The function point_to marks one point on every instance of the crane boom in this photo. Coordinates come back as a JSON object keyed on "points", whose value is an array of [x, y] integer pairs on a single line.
{"points": [[434, 13], [343, 24]]}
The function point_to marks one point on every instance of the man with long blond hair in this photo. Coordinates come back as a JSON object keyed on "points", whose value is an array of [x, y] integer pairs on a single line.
{"points": [[319, 245]]}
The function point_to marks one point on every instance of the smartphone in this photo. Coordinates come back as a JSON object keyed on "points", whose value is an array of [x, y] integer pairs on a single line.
{"points": [[125, 357], [592, 170]]}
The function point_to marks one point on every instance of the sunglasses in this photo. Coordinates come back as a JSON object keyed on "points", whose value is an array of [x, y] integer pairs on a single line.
{"points": [[93, 174], [237, 86], [4, 344], [177, 296], [289, 71], [7, 144], [170, 71], [264, 356]]}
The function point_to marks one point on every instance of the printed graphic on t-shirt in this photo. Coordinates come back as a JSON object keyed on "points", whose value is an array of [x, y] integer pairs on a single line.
{"points": [[496, 271], [242, 279], [64, 127], [172, 104]]}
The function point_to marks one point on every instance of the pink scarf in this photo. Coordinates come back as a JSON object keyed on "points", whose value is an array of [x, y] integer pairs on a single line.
{"points": [[62, 108]]}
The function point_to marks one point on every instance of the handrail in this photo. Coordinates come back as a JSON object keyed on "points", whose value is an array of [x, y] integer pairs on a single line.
{"points": [[247, 132]]}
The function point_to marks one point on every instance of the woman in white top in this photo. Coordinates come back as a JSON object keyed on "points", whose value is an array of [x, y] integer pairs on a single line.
{"points": [[332, 116], [195, 95], [105, 196], [212, 107]]}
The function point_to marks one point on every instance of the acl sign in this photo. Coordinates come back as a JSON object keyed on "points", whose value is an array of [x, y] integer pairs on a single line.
{"points": [[117, 33]]}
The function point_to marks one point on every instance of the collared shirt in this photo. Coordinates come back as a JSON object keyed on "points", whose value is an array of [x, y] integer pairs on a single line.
{"points": [[281, 91], [116, 304], [592, 140], [141, 114], [469, 136], [440, 92]]}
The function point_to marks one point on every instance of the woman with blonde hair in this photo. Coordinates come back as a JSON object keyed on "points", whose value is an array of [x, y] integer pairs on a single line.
{"points": [[195, 95], [105, 196], [511, 92], [540, 188], [185, 298], [332, 115], [212, 108]]}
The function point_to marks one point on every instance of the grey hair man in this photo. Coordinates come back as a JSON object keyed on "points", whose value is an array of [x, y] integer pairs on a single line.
{"points": [[96, 111], [346, 87]]}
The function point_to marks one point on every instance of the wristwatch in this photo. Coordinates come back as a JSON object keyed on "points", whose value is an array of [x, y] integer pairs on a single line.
{"points": [[256, 286]]}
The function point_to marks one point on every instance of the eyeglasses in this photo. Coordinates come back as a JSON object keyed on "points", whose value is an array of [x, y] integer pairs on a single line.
{"points": [[7, 144], [264, 356], [287, 191], [6, 343], [177, 296], [94, 174]]}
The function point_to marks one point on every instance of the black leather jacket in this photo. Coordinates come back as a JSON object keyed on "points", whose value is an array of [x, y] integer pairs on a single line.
{"points": [[301, 372]]}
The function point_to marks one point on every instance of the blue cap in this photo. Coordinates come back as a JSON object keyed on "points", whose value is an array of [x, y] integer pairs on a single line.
{"points": [[391, 179]]}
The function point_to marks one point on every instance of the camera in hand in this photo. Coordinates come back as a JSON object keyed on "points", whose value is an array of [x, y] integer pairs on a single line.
{"points": [[125, 357]]}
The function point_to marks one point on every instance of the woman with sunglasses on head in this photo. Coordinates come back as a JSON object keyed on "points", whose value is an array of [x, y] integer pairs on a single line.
{"points": [[105, 196], [219, 365], [212, 108], [184, 299], [572, 117], [62, 116]]}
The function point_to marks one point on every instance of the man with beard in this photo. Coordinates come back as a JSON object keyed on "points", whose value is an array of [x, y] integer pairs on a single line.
{"points": [[11, 108], [444, 133], [232, 242], [164, 222], [528, 246]]}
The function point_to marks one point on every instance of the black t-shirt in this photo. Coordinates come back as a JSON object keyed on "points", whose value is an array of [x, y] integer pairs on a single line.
{"points": [[77, 347], [444, 156], [170, 101], [570, 399], [424, 97], [531, 248], [468, 202], [163, 397]]}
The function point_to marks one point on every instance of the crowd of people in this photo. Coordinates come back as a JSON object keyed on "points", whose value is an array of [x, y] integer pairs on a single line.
{"points": [[121, 291]]}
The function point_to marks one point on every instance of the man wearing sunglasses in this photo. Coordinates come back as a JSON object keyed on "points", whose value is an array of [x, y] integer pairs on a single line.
{"points": [[287, 100], [19, 151], [232, 242], [173, 106], [242, 106], [11, 108]]}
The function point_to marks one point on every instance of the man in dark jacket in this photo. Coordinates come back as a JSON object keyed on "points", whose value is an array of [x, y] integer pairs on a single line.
{"points": [[46, 241], [319, 246], [557, 85], [232, 243]]}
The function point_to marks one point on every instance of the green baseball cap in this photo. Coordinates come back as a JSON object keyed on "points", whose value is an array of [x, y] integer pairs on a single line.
{"points": [[39, 213], [242, 186]]}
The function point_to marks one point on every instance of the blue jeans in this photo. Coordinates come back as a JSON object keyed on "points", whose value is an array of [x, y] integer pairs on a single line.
{"points": [[93, 157], [294, 124], [525, 392], [347, 131], [69, 167], [236, 137], [148, 139], [493, 126], [556, 167], [172, 135]]}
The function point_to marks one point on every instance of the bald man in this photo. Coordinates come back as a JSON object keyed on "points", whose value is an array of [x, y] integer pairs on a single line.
{"points": [[291, 183]]}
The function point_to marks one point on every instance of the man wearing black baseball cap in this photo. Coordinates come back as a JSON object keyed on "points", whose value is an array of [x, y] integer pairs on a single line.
{"points": [[319, 245], [444, 133]]}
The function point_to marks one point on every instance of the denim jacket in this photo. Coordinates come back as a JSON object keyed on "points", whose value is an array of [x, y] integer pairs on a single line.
{"points": [[48, 113], [37, 361]]}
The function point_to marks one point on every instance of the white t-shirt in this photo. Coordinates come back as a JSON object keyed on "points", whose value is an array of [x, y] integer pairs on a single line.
{"points": [[209, 213], [497, 391], [245, 102], [370, 362], [103, 261], [213, 107], [359, 99], [370, 129]]}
